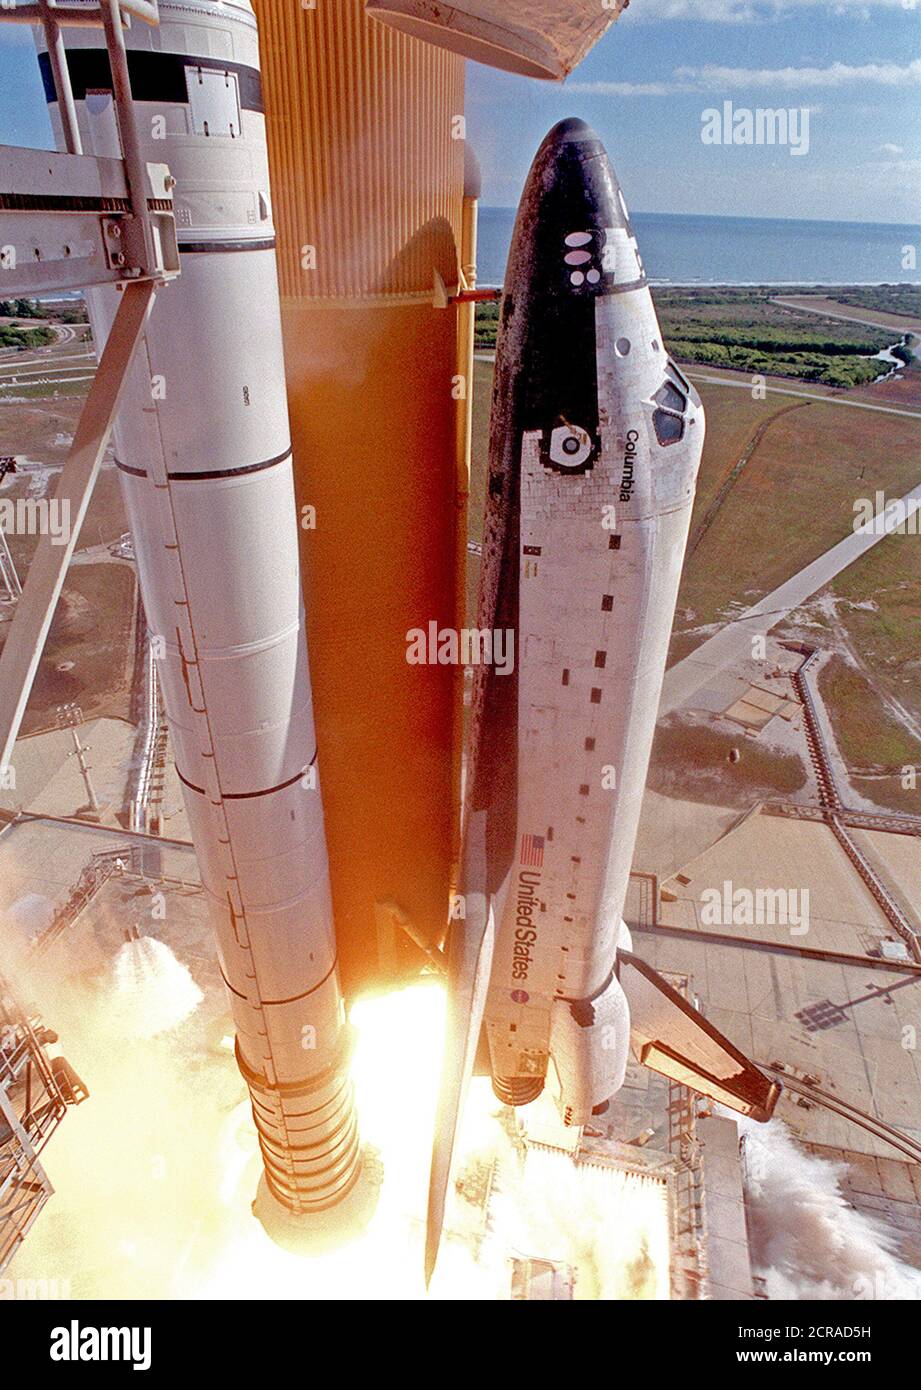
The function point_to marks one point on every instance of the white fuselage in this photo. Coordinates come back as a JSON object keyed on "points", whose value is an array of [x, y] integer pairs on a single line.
{"points": [[601, 558]]}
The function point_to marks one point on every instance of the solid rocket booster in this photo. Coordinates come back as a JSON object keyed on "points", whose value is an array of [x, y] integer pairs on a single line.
{"points": [[204, 450], [596, 438]]}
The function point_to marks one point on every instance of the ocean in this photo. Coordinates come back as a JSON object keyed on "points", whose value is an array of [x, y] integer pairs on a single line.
{"points": [[681, 249]]}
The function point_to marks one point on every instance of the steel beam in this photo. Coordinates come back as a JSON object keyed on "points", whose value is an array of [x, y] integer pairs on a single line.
{"points": [[29, 629]]}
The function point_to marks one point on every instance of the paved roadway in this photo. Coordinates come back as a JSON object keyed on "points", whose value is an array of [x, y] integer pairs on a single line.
{"points": [[732, 644], [849, 318], [806, 395]]}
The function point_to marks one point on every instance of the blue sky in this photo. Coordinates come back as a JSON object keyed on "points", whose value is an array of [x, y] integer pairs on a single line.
{"points": [[856, 64]]}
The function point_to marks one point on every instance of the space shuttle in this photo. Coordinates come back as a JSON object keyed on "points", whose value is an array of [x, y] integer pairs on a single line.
{"points": [[595, 443], [270, 370]]}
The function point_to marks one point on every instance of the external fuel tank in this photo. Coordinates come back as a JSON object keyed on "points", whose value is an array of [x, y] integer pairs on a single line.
{"points": [[366, 149], [203, 446]]}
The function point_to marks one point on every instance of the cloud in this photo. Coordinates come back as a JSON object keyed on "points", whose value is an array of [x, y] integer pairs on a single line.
{"points": [[748, 11], [837, 75], [629, 89], [721, 79], [891, 150]]}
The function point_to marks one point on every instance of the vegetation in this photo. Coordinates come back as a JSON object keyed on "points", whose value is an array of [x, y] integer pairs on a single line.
{"points": [[869, 738], [693, 760], [891, 299], [74, 312], [830, 369], [793, 500], [879, 608], [745, 330], [20, 338], [487, 326]]}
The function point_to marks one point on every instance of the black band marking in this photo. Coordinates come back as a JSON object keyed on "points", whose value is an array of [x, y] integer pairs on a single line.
{"points": [[198, 248], [206, 476], [640, 284], [295, 997], [154, 76], [248, 796]]}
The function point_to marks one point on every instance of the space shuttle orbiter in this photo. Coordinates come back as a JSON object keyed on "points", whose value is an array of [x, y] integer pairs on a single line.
{"points": [[596, 440]]}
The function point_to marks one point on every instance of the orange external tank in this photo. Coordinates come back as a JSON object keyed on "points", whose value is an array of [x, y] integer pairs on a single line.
{"points": [[366, 149]]}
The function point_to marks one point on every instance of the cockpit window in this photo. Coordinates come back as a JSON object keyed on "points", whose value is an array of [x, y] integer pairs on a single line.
{"points": [[680, 375], [669, 428], [669, 395]]}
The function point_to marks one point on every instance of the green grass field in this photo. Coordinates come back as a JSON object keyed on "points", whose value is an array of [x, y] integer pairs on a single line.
{"points": [[691, 760], [878, 605], [876, 747], [794, 499], [745, 330]]}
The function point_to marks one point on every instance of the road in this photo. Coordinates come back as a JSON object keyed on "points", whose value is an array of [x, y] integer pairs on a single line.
{"points": [[773, 390], [731, 646], [806, 395], [849, 318]]}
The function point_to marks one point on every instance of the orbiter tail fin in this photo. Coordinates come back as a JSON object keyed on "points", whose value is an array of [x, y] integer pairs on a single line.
{"points": [[670, 1036]]}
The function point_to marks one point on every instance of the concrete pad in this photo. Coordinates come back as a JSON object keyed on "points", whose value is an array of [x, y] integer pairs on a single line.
{"points": [[749, 715], [896, 1179], [762, 699]]}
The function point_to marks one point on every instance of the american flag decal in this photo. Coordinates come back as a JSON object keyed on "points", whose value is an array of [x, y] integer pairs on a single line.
{"points": [[532, 851]]}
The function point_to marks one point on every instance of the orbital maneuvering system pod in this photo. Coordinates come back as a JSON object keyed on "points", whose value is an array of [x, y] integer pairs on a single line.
{"points": [[595, 443]]}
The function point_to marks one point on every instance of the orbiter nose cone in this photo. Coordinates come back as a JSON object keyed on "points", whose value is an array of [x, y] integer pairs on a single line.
{"points": [[571, 192], [570, 142], [569, 130], [572, 168]]}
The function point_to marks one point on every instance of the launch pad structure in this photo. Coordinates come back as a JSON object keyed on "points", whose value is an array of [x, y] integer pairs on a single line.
{"points": [[88, 221], [34, 1094]]}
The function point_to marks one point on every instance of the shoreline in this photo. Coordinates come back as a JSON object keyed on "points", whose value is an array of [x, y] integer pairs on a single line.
{"points": [[658, 283]]}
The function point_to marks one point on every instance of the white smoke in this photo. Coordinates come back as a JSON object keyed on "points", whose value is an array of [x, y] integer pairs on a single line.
{"points": [[807, 1241], [153, 992], [606, 1225]]}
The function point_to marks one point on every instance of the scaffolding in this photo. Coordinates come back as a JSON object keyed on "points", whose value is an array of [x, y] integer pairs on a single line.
{"points": [[68, 221], [35, 1090]]}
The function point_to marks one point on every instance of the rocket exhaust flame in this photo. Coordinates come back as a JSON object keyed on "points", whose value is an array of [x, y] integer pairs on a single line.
{"points": [[168, 1214]]}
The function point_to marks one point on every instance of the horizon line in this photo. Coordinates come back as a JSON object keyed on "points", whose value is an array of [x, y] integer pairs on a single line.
{"points": [[734, 216]]}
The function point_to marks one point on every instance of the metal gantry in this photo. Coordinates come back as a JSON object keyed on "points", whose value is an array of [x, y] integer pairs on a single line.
{"points": [[35, 1090], [73, 221], [68, 221]]}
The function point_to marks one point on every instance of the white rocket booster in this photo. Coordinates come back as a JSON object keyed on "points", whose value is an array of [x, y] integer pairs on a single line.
{"points": [[204, 450]]}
